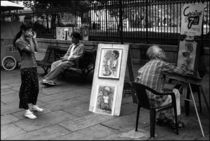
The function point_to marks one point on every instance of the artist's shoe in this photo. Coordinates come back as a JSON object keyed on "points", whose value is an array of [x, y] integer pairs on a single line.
{"points": [[29, 114], [36, 108]]}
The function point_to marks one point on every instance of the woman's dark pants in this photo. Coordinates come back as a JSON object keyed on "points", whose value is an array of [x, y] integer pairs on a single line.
{"points": [[29, 88]]}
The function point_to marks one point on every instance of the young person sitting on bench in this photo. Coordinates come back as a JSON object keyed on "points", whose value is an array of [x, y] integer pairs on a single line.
{"points": [[74, 52]]}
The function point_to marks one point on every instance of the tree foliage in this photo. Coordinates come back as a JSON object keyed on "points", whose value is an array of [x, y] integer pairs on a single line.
{"points": [[74, 6]]}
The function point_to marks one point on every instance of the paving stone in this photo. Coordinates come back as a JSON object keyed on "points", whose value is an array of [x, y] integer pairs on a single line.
{"points": [[140, 134], [66, 115], [3, 104], [84, 98], [115, 137], [91, 133], [125, 123], [44, 120], [46, 133], [58, 104], [128, 109], [10, 108], [85, 121], [61, 96], [50, 91], [6, 119], [9, 130], [10, 97], [5, 87], [81, 110], [20, 114], [127, 99], [55, 90], [7, 91], [15, 88]]}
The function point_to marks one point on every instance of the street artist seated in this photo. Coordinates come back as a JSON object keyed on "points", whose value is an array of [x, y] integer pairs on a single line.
{"points": [[74, 52], [151, 75]]}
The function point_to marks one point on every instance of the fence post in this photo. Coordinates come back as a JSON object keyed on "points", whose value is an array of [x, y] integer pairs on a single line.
{"points": [[146, 21], [121, 22], [106, 22]]}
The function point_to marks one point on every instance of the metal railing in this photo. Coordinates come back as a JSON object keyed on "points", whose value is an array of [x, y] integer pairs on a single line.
{"points": [[137, 21], [147, 21]]}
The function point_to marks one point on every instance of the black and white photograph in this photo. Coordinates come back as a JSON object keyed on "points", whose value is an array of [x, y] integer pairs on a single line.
{"points": [[105, 69]]}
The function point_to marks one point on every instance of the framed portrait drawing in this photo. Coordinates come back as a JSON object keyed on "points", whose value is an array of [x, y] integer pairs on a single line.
{"points": [[105, 99], [187, 56], [110, 63]]}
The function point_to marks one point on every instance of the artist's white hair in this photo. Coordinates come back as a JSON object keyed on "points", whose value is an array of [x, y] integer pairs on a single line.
{"points": [[155, 52]]}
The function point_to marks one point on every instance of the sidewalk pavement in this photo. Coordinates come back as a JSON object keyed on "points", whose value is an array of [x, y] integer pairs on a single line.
{"points": [[66, 115]]}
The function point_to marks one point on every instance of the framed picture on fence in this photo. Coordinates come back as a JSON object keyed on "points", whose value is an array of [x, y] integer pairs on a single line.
{"points": [[187, 56], [105, 99], [110, 63]]}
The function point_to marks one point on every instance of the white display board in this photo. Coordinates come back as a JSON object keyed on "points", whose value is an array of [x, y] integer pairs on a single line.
{"points": [[192, 18], [108, 79]]}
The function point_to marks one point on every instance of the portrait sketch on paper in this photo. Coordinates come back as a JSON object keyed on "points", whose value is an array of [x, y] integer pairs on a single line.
{"points": [[110, 63], [105, 99], [187, 56]]}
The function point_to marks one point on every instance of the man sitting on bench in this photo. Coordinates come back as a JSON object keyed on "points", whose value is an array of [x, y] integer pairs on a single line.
{"points": [[75, 51]]}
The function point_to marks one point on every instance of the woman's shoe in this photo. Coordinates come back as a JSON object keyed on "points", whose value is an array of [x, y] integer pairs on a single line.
{"points": [[37, 108], [29, 114]]}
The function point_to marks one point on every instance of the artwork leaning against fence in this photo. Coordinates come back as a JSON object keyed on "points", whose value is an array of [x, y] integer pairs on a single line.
{"points": [[104, 103], [187, 56], [110, 63], [63, 33]]}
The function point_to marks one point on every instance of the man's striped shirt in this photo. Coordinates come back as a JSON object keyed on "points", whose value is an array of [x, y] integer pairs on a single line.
{"points": [[151, 75]]}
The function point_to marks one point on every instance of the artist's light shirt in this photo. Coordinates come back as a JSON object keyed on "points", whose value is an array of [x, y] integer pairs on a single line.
{"points": [[71, 51], [151, 75], [74, 51]]}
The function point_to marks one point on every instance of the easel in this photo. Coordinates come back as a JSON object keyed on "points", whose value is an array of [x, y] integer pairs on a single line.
{"points": [[187, 81], [131, 75]]}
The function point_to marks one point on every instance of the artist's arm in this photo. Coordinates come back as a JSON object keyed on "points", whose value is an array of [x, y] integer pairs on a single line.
{"points": [[170, 68], [65, 57]]}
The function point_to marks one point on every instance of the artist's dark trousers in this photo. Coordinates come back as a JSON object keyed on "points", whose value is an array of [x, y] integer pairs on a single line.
{"points": [[29, 88]]}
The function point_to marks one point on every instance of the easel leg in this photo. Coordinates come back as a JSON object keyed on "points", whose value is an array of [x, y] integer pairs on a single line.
{"points": [[199, 121], [187, 98], [131, 75], [205, 99], [199, 98]]}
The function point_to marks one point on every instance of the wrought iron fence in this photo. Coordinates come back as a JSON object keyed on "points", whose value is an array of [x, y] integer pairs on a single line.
{"points": [[149, 21], [139, 21]]}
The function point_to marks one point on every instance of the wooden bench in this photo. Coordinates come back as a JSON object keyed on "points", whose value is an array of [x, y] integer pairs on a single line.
{"points": [[48, 59], [84, 65]]}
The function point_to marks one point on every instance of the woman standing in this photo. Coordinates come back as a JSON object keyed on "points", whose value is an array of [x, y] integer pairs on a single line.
{"points": [[29, 88]]}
